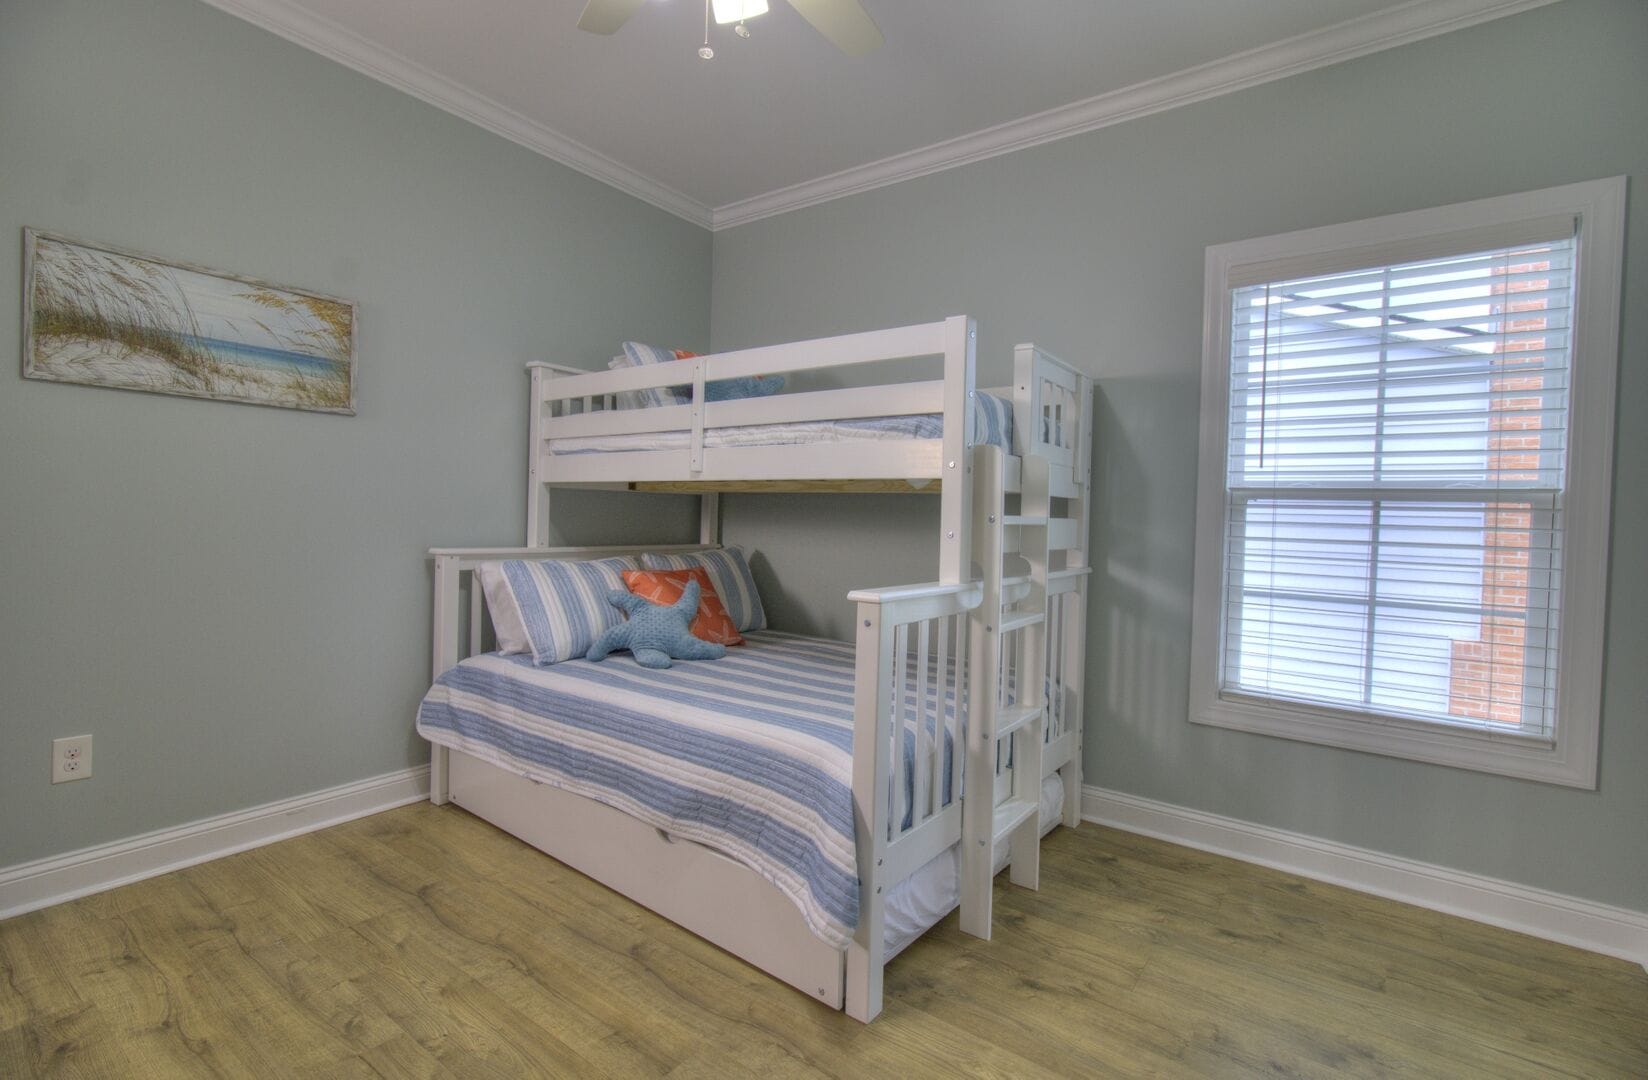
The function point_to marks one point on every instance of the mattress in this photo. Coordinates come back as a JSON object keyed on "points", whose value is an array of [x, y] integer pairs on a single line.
{"points": [[992, 423], [750, 754]]}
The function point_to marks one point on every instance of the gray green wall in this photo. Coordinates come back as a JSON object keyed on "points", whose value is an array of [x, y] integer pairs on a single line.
{"points": [[234, 599], [1093, 247]]}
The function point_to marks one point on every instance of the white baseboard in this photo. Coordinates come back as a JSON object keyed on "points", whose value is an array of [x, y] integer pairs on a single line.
{"points": [[1570, 920], [52, 880], [1613, 931]]}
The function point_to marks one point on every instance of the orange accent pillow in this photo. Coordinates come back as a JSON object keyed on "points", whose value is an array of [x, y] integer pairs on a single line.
{"points": [[712, 623]]}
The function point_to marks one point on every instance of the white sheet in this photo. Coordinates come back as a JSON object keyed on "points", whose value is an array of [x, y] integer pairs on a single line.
{"points": [[932, 892]]}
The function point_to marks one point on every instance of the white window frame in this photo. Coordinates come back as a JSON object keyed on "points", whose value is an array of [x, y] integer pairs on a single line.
{"points": [[1570, 756]]}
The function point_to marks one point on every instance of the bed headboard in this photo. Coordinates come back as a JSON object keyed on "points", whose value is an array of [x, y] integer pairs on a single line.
{"points": [[1052, 409], [460, 620]]}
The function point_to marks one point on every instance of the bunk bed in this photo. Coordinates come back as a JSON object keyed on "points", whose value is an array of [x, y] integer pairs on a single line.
{"points": [[954, 737]]}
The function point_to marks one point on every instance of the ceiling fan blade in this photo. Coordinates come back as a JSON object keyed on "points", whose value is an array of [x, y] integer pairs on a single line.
{"points": [[844, 22], [607, 16]]}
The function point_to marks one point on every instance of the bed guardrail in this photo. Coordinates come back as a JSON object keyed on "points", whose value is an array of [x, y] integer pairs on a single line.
{"points": [[570, 404], [909, 749], [576, 402], [566, 406]]}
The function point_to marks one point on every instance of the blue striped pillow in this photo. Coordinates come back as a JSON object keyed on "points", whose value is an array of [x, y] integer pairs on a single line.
{"points": [[732, 579], [639, 355], [992, 421], [564, 605]]}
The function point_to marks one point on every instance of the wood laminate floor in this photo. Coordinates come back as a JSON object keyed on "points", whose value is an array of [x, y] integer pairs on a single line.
{"points": [[422, 942]]}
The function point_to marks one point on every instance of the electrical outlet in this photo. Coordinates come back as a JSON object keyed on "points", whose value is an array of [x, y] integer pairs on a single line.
{"points": [[71, 758]]}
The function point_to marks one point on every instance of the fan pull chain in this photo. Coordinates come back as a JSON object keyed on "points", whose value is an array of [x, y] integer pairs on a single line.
{"points": [[704, 51]]}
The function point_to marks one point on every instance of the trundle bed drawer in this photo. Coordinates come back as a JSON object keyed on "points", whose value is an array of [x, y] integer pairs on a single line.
{"points": [[696, 887]]}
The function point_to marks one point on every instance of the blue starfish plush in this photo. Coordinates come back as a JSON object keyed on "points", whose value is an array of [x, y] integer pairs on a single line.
{"points": [[656, 632]]}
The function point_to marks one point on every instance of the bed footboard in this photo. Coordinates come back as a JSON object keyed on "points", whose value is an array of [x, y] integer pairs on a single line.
{"points": [[912, 644]]}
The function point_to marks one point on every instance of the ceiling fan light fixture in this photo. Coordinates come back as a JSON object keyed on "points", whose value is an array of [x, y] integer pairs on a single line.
{"points": [[731, 11], [844, 23], [704, 51]]}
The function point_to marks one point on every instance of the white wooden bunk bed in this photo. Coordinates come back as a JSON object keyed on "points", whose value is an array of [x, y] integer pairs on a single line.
{"points": [[992, 653]]}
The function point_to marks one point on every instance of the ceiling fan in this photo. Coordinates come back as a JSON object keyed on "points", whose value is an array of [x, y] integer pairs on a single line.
{"points": [[844, 22]]}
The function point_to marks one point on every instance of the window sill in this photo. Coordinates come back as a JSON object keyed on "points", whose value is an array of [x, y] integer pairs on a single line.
{"points": [[1505, 754]]}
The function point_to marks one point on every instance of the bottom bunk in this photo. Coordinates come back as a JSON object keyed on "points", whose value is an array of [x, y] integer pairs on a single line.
{"points": [[751, 754], [697, 887], [721, 794]]}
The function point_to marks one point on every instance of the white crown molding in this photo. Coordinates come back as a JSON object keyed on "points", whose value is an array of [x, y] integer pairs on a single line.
{"points": [[53, 880], [335, 42], [1613, 931], [1319, 48], [1386, 29]]}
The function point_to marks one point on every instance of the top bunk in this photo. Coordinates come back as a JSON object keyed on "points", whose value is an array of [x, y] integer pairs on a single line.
{"points": [[904, 424]]}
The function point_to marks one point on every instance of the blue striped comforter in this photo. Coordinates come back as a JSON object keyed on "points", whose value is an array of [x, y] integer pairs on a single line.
{"points": [[992, 423], [750, 754]]}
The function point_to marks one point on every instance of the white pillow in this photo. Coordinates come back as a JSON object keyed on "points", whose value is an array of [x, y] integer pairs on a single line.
{"points": [[500, 604], [639, 355]]}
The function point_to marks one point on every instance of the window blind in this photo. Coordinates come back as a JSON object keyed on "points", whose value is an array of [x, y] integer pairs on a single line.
{"points": [[1397, 440]]}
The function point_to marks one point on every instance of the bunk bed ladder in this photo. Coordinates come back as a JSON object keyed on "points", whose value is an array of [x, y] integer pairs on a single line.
{"points": [[1007, 706]]}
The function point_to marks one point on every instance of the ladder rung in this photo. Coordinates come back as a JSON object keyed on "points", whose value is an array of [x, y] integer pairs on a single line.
{"points": [[1020, 620], [1013, 717], [1010, 815], [1031, 520], [1067, 574]]}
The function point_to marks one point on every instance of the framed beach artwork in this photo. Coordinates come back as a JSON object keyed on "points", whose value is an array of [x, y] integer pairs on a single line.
{"points": [[104, 317]]}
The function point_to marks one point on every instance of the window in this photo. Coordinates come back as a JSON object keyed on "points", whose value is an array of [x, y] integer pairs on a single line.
{"points": [[1407, 433]]}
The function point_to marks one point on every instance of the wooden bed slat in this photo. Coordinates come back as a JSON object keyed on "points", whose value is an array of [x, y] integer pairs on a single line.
{"points": [[699, 487]]}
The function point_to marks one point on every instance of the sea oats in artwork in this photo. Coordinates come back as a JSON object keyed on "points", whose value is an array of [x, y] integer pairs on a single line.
{"points": [[103, 317]]}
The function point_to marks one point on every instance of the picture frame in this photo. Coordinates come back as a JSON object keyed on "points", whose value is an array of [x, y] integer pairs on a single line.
{"points": [[98, 315]]}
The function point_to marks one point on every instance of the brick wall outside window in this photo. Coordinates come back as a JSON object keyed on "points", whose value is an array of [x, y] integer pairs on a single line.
{"points": [[1487, 675]]}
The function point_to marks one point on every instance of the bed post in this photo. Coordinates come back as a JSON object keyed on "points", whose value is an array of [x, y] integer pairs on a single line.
{"points": [[978, 813], [709, 519], [956, 496], [1074, 635], [537, 495], [444, 655], [872, 740]]}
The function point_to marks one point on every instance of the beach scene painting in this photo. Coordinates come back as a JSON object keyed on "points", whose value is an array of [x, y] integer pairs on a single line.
{"points": [[103, 317]]}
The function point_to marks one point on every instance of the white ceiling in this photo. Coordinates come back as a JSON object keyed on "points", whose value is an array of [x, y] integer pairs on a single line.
{"points": [[785, 108]]}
